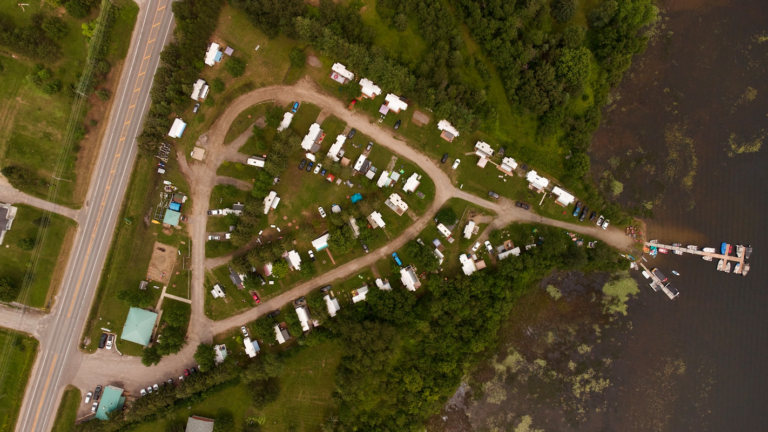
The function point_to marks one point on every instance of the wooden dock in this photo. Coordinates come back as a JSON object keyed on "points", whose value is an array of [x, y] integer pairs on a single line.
{"points": [[715, 256], [658, 284]]}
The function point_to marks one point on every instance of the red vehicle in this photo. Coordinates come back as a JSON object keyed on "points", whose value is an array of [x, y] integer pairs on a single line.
{"points": [[255, 296], [186, 372], [352, 104]]}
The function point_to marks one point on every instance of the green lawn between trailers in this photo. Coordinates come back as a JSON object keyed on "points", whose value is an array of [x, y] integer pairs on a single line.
{"points": [[20, 359]]}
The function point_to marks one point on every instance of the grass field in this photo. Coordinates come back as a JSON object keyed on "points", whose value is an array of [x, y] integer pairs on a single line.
{"points": [[19, 364], [67, 413], [15, 261]]}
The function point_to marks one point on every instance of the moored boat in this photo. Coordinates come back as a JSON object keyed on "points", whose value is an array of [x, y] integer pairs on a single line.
{"points": [[706, 258], [724, 247], [677, 252], [739, 251], [746, 269], [693, 247], [720, 265], [664, 250], [748, 252], [727, 268], [675, 273], [737, 269], [709, 249]]}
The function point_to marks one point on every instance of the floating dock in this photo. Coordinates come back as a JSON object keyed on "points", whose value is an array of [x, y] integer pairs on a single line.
{"points": [[715, 256], [659, 282]]}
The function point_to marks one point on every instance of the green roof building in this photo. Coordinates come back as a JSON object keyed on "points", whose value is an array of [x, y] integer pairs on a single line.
{"points": [[172, 218], [111, 400], [139, 325]]}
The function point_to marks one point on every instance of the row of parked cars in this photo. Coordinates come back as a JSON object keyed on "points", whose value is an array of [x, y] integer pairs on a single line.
{"points": [[106, 341], [156, 387], [95, 396], [582, 214]]}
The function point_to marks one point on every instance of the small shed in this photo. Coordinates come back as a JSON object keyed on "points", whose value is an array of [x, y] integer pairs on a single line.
{"points": [[172, 217], [229, 51], [177, 128], [112, 399]]}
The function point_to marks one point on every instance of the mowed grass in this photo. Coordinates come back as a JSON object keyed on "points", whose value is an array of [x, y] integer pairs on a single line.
{"points": [[128, 260], [67, 413], [408, 45], [15, 261], [20, 359]]}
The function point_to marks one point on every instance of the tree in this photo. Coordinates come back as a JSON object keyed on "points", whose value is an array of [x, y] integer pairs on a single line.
{"points": [[54, 27], [401, 22], [224, 422], [267, 366], [8, 290], [446, 216], [217, 85], [308, 270], [573, 36], [564, 10], [425, 259], [103, 94], [235, 66], [578, 165], [264, 328], [573, 65], [175, 314], [279, 268], [44, 74], [26, 244], [298, 58], [88, 29], [77, 8], [52, 87], [264, 392], [150, 356], [135, 298], [205, 357], [274, 116]]}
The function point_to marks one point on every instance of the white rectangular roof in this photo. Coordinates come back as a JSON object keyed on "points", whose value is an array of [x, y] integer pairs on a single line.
{"points": [[309, 139], [369, 88], [536, 180], [196, 88], [342, 70], [359, 163], [321, 242], [383, 180], [303, 314], [445, 125], [467, 264], [398, 202], [515, 252], [376, 216], [249, 347], [294, 259], [287, 119], [394, 103], [382, 285], [439, 255], [371, 173], [256, 161], [333, 305], [484, 147], [210, 55], [177, 128], [268, 201], [563, 197], [409, 278], [412, 183], [333, 153], [508, 164], [279, 334], [443, 230], [361, 293], [469, 229]]}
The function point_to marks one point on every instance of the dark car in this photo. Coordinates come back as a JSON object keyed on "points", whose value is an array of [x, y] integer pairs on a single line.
{"points": [[302, 164], [445, 158], [370, 146], [365, 247], [501, 151], [274, 313], [322, 173], [325, 289], [309, 166], [298, 300], [577, 209], [522, 205], [295, 107], [351, 133], [97, 393], [593, 216], [196, 108], [493, 194], [103, 340], [193, 370], [584, 214], [397, 124]]}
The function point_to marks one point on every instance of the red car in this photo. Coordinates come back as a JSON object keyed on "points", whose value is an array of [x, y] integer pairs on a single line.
{"points": [[352, 104], [186, 372], [255, 297]]}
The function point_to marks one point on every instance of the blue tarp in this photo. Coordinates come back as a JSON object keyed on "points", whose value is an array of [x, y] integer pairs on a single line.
{"points": [[175, 206], [356, 197], [218, 56]]}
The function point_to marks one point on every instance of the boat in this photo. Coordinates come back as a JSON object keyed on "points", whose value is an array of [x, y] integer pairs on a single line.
{"points": [[727, 268], [710, 250], [663, 250], [677, 252], [739, 251], [746, 269], [675, 273], [747, 253], [653, 241], [706, 258], [720, 265], [737, 269], [724, 247], [693, 247]]}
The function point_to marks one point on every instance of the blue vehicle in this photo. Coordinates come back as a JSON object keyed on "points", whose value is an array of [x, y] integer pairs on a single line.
{"points": [[309, 167], [578, 209], [397, 259], [295, 107]]}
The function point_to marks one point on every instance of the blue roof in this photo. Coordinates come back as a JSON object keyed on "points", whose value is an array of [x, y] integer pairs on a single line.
{"points": [[256, 346], [356, 197], [172, 218], [175, 206], [218, 56], [111, 399], [138, 326]]}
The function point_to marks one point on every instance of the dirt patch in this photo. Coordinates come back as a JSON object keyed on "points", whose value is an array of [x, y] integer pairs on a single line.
{"points": [[314, 61], [419, 118], [261, 122], [162, 262]]}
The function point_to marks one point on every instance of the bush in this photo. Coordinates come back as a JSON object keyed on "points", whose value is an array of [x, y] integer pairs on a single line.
{"points": [[44, 74], [8, 290], [136, 298], [34, 79], [298, 58], [103, 94], [564, 10], [54, 27], [18, 175], [52, 87], [217, 85], [26, 244], [235, 66], [446, 216], [77, 8]]}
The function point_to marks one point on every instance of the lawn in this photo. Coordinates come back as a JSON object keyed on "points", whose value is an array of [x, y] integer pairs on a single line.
{"points": [[235, 301], [51, 261], [34, 124], [20, 358], [129, 257], [67, 413]]}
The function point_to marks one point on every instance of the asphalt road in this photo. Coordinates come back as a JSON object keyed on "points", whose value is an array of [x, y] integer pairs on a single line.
{"points": [[59, 357]]}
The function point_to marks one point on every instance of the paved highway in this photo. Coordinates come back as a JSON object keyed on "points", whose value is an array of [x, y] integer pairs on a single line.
{"points": [[59, 357]]}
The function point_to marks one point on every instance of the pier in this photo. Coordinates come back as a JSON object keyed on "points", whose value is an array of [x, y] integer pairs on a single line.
{"points": [[659, 284], [715, 256]]}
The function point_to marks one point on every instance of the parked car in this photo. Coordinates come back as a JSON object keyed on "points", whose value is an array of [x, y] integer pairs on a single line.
{"points": [[522, 205], [103, 340], [309, 166], [302, 164], [605, 224], [577, 209], [149, 389], [351, 133], [295, 107], [244, 330], [325, 289], [156, 387], [170, 381], [456, 163], [213, 212], [227, 236], [143, 392], [275, 313], [110, 341], [584, 214], [493, 194], [369, 147], [476, 247], [445, 158], [600, 220], [311, 255], [193, 370], [397, 124], [186, 371], [352, 104], [501, 151], [88, 397], [196, 108], [593, 216], [322, 173], [255, 297], [317, 168], [214, 237], [298, 301], [397, 259], [489, 246], [94, 407], [97, 393], [322, 212], [365, 247]]}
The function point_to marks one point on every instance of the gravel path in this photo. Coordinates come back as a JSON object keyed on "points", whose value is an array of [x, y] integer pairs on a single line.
{"points": [[8, 194]]}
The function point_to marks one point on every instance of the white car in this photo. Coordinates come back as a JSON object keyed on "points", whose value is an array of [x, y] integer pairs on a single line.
{"points": [[156, 387], [456, 163], [317, 168], [214, 237], [311, 255], [244, 330], [94, 406], [149, 389], [214, 212], [605, 224], [476, 247], [110, 341], [227, 236], [488, 246], [322, 212], [143, 392], [88, 397]]}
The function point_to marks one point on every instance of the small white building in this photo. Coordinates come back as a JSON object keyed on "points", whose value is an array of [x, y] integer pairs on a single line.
{"points": [[321, 242], [218, 291], [256, 161], [287, 119], [340, 74], [294, 260], [536, 182], [564, 199], [333, 153], [484, 147], [333, 305], [384, 180], [251, 347], [394, 103], [213, 54], [409, 279], [281, 334], [444, 230], [199, 90], [396, 203], [311, 137], [383, 285], [177, 129], [359, 294], [304, 317], [508, 165], [360, 163], [469, 229], [269, 200], [376, 221], [369, 89], [467, 264], [412, 183], [449, 132]]}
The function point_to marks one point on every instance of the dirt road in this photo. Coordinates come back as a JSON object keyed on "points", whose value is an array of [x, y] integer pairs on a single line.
{"points": [[8, 194]]}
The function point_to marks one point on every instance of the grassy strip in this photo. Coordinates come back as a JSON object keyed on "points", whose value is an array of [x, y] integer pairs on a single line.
{"points": [[67, 413], [20, 361]]}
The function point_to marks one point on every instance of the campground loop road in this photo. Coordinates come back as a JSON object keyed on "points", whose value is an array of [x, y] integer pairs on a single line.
{"points": [[104, 367], [59, 358]]}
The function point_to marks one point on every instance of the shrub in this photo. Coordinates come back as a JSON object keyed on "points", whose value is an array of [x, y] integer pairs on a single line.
{"points": [[103, 94], [77, 8], [235, 66], [34, 79], [54, 27], [217, 85], [298, 58], [8, 290], [564, 10], [52, 87], [42, 222], [44, 74], [26, 244]]}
